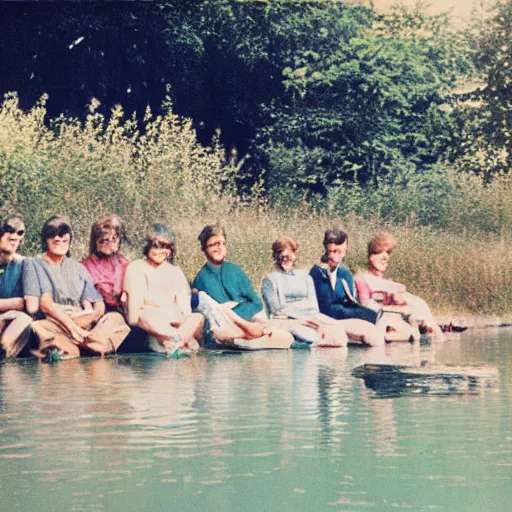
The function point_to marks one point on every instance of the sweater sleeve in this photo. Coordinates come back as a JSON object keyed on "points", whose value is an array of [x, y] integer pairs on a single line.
{"points": [[312, 298], [252, 304], [270, 297], [183, 293], [363, 289]]}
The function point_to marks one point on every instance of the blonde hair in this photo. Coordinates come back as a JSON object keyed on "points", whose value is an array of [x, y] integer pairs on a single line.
{"points": [[382, 242]]}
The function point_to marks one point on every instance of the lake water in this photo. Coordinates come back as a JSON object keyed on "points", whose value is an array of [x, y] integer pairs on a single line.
{"points": [[262, 431]]}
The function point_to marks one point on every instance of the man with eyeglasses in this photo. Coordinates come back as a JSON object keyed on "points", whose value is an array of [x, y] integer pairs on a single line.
{"points": [[229, 302], [14, 323]]}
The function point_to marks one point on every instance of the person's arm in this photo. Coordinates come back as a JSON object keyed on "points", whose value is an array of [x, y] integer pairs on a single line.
{"points": [[48, 308], [31, 286], [134, 288], [183, 293], [252, 303], [312, 298], [363, 289], [91, 296], [16, 303], [270, 297]]}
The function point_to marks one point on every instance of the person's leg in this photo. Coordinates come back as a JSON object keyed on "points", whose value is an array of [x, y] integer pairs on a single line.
{"points": [[365, 332], [108, 334], [191, 329], [422, 314], [225, 323], [52, 336], [15, 332], [397, 329], [332, 336]]}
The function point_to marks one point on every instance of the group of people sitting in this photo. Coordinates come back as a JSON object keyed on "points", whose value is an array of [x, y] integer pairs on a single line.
{"points": [[53, 304]]}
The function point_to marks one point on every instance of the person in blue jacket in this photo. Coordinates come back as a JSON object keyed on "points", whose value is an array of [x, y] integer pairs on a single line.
{"points": [[334, 283]]}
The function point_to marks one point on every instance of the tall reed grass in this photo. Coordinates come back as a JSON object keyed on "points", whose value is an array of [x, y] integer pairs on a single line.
{"points": [[453, 230]]}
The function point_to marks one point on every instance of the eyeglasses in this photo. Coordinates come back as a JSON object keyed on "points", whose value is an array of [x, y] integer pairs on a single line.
{"points": [[111, 240], [216, 244], [161, 245], [60, 231], [11, 230]]}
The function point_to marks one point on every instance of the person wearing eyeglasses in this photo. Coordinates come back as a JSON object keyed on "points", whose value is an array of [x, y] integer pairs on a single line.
{"points": [[158, 295], [60, 290], [105, 264], [228, 300], [14, 323]]}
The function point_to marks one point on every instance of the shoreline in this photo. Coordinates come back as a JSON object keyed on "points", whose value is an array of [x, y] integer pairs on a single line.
{"points": [[474, 321]]}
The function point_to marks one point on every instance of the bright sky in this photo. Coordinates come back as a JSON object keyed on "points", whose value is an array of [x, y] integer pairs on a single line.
{"points": [[461, 9]]}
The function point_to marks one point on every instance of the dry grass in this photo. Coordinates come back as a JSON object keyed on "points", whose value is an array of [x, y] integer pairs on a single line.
{"points": [[156, 171]]}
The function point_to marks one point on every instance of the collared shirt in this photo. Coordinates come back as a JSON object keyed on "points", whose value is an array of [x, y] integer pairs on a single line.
{"points": [[333, 274]]}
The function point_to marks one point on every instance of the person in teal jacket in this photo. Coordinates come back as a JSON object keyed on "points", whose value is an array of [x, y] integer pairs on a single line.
{"points": [[227, 299], [224, 281]]}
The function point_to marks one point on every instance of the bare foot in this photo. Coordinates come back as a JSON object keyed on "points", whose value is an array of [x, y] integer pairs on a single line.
{"points": [[192, 344], [225, 335], [256, 330]]}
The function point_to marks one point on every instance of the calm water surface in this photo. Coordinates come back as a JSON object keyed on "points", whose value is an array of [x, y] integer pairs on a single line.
{"points": [[276, 431]]}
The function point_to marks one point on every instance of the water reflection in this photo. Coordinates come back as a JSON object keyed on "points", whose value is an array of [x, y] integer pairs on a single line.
{"points": [[212, 431]]}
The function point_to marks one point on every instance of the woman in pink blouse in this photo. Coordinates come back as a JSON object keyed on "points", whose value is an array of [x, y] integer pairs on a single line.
{"points": [[378, 292], [104, 263]]}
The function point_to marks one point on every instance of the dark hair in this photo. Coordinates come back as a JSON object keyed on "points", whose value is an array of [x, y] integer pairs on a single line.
{"points": [[383, 242], [105, 225], [208, 232], [160, 231], [9, 222], [54, 225], [281, 244], [335, 236]]}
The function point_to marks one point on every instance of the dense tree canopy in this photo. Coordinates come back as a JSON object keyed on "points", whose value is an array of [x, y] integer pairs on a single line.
{"points": [[317, 93]]}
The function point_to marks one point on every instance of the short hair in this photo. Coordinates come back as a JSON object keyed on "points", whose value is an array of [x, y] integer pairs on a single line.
{"points": [[11, 221], [51, 226], [209, 231], [160, 231], [382, 242], [281, 244], [103, 226], [335, 236]]}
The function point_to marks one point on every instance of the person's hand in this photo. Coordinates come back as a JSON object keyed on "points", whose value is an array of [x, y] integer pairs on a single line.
{"points": [[77, 333], [398, 299]]}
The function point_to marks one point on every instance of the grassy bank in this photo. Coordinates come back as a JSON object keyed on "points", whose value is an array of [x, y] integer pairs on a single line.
{"points": [[453, 230]]}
